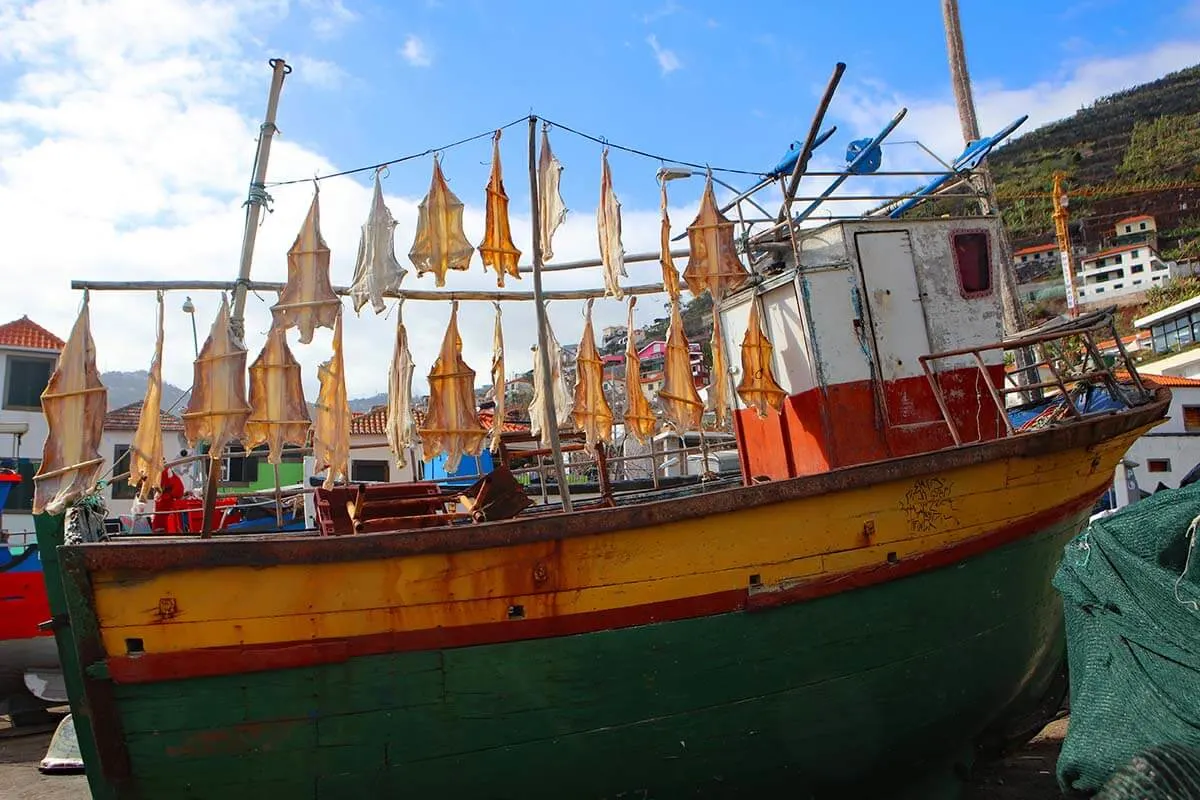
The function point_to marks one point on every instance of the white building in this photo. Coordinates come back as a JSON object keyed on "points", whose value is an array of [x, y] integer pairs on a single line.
{"points": [[28, 353], [1119, 271], [1140, 225], [1167, 453], [1173, 329], [119, 426]]}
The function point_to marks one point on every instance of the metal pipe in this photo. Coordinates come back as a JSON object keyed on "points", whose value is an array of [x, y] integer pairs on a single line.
{"points": [[257, 196], [551, 417]]}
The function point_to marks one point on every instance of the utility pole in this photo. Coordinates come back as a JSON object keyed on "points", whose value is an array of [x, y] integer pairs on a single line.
{"points": [[960, 79]]}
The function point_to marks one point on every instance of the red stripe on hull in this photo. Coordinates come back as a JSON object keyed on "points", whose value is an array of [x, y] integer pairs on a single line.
{"points": [[152, 667], [23, 605]]}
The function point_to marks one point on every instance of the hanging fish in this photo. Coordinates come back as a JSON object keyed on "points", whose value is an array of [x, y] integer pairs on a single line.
{"points": [[401, 428], [331, 431], [376, 271], [217, 411], [682, 406], [498, 385], [278, 412], [639, 416], [307, 300], [718, 388], [713, 264], [555, 383], [74, 403], [758, 388], [146, 461], [497, 249], [592, 413], [551, 209], [669, 273], [452, 424], [608, 226], [440, 244]]}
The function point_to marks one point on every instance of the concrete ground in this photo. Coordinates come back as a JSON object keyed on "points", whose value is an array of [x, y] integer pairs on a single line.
{"points": [[1026, 775]]}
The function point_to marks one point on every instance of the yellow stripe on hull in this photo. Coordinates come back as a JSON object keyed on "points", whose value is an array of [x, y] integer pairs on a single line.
{"points": [[809, 538]]}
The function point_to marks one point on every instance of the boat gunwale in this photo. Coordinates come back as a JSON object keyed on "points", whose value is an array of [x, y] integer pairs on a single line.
{"points": [[280, 549]]}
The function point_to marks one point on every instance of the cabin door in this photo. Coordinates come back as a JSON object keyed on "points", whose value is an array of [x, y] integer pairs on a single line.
{"points": [[894, 307]]}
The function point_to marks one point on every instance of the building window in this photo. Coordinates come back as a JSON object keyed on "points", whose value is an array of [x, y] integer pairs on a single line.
{"points": [[1191, 419], [1138, 268], [369, 471], [971, 258], [1158, 464], [1118, 286], [25, 381], [1129, 229], [1099, 290], [1141, 226], [121, 490], [20, 498], [1133, 254], [1137, 282]]}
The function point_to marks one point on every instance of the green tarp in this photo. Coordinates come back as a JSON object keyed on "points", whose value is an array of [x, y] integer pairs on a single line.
{"points": [[1133, 636]]}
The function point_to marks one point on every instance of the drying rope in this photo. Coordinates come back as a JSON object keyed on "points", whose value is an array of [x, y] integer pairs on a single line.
{"points": [[492, 131]]}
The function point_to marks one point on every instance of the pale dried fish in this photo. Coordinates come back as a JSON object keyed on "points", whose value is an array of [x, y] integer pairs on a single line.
{"points": [[440, 244], [278, 412], [331, 432], [639, 416], [498, 384], [713, 264], [682, 406], [718, 387], [376, 271], [146, 461], [217, 411], [555, 383], [497, 249], [551, 209], [452, 426], [307, 300], [401, 428], [758, 387], [665, 260], [608, 226], [592, 413]]}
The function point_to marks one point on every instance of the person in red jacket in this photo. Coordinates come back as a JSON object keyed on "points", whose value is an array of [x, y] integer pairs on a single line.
{"points": [[170, 493]]}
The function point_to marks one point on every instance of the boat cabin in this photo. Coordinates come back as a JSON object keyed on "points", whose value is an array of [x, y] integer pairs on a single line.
{"points": [[849, 325]]}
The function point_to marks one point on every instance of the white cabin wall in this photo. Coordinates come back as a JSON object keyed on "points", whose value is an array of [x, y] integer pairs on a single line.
{"points": [[838, 352], [786, 327]]}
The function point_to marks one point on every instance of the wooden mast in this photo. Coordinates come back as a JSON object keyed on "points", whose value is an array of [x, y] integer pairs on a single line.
{"points": [[550, 415], [254, 203]]}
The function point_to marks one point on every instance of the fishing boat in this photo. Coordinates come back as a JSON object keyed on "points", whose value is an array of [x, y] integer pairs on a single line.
{"points": [[864, 607]]}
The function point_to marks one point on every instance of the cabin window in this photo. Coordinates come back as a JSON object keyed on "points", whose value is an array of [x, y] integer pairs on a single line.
{"points": [[121, 490], [26, 379], [973, 263], [1158, 464], [1191, 419], [369, 471], [20, 497]]}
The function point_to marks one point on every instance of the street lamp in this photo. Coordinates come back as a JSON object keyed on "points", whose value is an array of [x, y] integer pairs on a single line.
{"points": [[190, 310]]}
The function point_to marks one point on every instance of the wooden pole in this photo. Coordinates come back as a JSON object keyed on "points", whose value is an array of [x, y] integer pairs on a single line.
{"points": [[210, 496], [278, 498], [257, 196], [814, 131], [539, 301]]}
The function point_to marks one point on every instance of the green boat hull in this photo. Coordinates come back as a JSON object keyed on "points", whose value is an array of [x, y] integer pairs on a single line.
{"points": [[870, 692]]}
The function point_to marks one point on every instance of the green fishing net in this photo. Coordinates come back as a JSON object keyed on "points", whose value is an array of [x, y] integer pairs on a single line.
{"points": [[1132, 608]]}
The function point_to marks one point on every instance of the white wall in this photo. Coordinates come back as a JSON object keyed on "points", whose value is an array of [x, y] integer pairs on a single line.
{"points": [[1154, 272], [173, 442], [31, 443], [1168, 441]]}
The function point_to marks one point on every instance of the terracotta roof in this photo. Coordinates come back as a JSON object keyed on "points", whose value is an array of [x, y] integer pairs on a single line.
{"points": [[1140, 336], [374, 422], [1137, 218], [1113, 251], [485, 419], [24, 332], [126, 418], [1037, 248], [1162, 380]]}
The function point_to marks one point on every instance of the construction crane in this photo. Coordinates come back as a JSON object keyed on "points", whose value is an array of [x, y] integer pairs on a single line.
{"points": [[1064, 242]]}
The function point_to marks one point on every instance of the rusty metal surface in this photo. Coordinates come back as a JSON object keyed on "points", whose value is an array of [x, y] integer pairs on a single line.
{"points": [[276, 549]]}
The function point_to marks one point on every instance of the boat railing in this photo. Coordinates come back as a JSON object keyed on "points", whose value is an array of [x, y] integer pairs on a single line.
{"points": [[1066, 350]]}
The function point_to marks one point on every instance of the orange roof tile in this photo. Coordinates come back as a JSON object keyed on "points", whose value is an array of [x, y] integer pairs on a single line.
{"points": [[1162, 380], [374, 422], [1137, 218], [26, 333], [1113, 251], [1038, 248], [126, 418]]}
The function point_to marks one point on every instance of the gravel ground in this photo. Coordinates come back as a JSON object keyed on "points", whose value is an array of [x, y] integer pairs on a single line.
{"points": [[1026, 775]]}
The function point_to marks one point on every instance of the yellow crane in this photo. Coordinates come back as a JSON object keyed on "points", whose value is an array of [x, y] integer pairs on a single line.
{"points": [[1064, 242]]}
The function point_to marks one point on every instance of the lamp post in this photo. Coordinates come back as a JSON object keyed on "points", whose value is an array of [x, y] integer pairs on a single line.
{"points": [[190, 310]]}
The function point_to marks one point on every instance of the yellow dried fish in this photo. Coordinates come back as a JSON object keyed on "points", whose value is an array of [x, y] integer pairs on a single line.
{"points": [[682, 406], [331, 431], [376, 270], [669, 273], [452, 425], [307, 300], [713, 264], [73, 403], [551, 209], [217, 411], [639, 416], [278, 412], [498, 384], [608, 226], [497, 249], [146, 460], [555, 383], [718, 387], [592, 413], [401, 428], [440, 244], [758, 388]]}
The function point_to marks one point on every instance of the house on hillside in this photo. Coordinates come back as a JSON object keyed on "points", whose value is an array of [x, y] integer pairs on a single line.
{"points": [[1119, 271], [652, 356], [28, 354], [1167, 453], [1139, 229]]}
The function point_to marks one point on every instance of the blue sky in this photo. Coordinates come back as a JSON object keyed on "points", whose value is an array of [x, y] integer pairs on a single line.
{"points": [[127, 129]]}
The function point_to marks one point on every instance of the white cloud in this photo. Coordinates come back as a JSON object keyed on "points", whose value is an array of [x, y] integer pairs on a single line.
{"points": [[416, 52], [329, 17], [665, 10], [668, 62], [319, 73]]}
